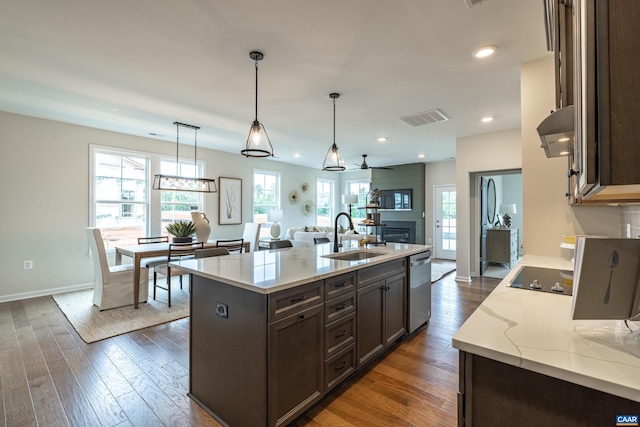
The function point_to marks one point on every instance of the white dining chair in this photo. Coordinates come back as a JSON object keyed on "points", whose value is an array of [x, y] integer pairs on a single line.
{"points": [[113, 286], [251, 234]]}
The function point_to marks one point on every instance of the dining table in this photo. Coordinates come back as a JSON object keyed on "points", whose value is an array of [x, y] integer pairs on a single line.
{"points": [[150, 250]]}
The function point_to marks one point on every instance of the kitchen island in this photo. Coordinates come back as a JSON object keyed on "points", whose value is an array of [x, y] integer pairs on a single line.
{"points": [[524, 361], [272, 332]]}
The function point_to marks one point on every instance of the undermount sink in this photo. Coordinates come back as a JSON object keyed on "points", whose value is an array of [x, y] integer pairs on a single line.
{"points": [[354, 255]]}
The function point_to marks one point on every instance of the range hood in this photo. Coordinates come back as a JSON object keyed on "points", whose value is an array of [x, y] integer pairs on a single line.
{"points": [[557, 133]]}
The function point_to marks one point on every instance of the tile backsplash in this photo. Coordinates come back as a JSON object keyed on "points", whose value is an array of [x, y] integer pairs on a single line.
{"points": [[630, 221]]}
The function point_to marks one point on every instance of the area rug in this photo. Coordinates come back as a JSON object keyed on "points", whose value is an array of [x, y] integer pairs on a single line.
{"points": [[440, 268], [95, 325]]}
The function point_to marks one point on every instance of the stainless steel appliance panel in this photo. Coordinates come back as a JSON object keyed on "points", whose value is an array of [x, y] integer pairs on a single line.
{"points": [[419, 311]]}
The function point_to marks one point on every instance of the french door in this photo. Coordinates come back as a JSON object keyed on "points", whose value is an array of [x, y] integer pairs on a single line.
{"points": [[445, 222]]}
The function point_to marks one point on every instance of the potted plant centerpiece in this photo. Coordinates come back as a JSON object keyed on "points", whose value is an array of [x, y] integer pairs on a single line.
{"points": [[182, 231]]}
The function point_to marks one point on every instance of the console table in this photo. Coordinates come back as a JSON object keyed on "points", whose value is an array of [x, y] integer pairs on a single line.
{"points": [[502, 245]]}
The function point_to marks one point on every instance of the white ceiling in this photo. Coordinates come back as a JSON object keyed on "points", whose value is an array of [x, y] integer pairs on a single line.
{"points": [[136, 66]]}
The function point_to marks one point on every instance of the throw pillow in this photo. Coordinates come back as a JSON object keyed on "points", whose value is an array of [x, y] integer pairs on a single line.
{"points": [[315, 229], [306, 228]]}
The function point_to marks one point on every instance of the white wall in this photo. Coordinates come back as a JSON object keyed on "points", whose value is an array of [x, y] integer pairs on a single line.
{"points": [[477, 154], [436, 173], [547, 215], [44, 183]]}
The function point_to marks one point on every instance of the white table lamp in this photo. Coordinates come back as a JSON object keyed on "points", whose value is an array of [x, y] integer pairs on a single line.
{"points": [[349, 199], [506, 209], [274, 216]]}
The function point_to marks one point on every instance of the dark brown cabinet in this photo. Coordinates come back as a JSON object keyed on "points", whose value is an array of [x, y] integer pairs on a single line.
{"points": [[562, 39], [381, 308], [340, 328], [264, 359], [607, 101], [296, 365], [370, 331], [493, 393]]}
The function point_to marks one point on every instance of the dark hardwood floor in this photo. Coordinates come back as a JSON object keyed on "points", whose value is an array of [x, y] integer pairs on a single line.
{"points": [[50, 377]]}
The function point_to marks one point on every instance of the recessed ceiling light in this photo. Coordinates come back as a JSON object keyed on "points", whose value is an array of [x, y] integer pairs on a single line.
{"points": [[487, 119], [421, 156], [296, 154], [485, 51], [382, 139]]}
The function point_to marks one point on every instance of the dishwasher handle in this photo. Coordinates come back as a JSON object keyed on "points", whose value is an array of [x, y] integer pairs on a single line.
{"points": [[421, 261]]}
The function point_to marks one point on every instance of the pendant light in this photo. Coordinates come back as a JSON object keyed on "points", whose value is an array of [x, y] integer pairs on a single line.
{"points": [[258, 144], [183, 183], [333, 162]]}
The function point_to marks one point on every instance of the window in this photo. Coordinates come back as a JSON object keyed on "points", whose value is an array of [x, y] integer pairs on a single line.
{"points": [[324, 202], [120, 202], [361, 188], [177, 205], [266, 196]]}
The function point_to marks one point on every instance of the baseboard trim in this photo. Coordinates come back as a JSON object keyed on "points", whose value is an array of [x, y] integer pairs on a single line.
{"points": [[465, 279], [44, 292]]}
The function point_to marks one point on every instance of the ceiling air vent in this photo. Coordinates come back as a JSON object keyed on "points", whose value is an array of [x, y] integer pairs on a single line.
{"points": [[474, 3], [424, 118]]}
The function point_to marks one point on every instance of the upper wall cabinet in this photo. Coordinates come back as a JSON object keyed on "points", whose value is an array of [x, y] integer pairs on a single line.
{"points": [[559, 23], [606, 86]]}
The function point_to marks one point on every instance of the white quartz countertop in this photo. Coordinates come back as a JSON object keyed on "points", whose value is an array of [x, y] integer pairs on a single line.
{"points": [[534, 331], [275, 270]]}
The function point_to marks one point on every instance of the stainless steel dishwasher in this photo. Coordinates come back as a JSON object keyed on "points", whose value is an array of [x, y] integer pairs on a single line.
{"points": [[419, 311]]}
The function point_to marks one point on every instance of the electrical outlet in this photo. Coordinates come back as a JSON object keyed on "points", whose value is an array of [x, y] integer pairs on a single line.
{"points": [[222, 310], [429, 240], [28, 264], [628, 230]]}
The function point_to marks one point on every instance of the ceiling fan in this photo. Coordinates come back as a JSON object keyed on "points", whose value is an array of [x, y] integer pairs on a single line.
{"points": [[365, 166]]}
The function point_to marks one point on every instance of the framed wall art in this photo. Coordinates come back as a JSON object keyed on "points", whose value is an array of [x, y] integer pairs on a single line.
{"points": [[230, 201]]}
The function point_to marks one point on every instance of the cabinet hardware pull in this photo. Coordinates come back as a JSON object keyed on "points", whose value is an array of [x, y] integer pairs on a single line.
{"points": [[572, 172], [341, 366], [301, 316], [341, 334], [293, 301], [341, 307], [340, 285]]}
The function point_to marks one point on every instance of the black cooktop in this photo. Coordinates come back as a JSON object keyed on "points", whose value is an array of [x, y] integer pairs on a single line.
{"points": [[544, 280]]}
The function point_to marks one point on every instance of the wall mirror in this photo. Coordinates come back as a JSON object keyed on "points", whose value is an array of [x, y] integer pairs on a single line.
{"points": [[491, 201]]}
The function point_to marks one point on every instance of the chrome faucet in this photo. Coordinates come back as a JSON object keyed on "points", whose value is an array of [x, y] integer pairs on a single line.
{"points": [[336, 245]]}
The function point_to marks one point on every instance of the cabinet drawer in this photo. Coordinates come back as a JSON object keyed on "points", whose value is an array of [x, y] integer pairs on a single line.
{"points": [[339, 285], [338, 368], [291, 301], [339, 307], [339, 334], [369, 275]]}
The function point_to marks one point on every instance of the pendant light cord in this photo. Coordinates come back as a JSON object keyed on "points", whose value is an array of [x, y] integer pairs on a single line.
{"points": [[195, 144], [195, 152], [177, 146], [334, 121], [256, 90]]}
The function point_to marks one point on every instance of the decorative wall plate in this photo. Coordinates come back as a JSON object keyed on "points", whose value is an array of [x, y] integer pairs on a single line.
{"points": [[305, 187], [307, 208], [294, 196]]}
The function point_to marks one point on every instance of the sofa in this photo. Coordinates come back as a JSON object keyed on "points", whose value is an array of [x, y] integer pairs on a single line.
{"points": [[309, 232]]}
